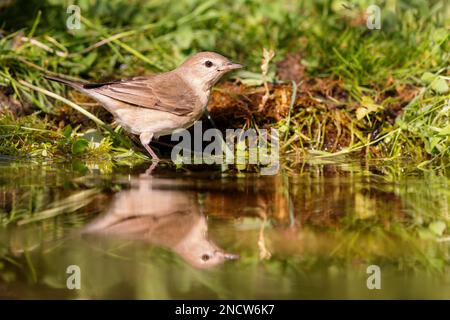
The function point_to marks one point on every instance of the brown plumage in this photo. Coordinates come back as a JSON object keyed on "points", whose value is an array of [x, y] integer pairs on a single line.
{"points": [[157, 105]]}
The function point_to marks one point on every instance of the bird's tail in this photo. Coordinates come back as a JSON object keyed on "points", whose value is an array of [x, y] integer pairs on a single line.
{"points": [[73, 84]]}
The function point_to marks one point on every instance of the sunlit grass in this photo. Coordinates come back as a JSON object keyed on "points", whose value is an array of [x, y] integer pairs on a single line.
{"points": [[119, 39]]}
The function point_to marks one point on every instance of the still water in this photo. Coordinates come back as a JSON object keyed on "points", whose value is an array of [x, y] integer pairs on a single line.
{"points": [[315, 230]]}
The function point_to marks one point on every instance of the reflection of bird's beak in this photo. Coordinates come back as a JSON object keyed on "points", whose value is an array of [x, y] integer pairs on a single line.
{"points": [[231, 66], [230, 256]]}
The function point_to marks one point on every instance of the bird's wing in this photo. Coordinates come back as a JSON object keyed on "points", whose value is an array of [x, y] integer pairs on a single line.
{"points": [[164, 92]]}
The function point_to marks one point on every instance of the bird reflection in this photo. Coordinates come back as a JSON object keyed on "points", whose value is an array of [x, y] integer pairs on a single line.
{"points": [[153, 211]]}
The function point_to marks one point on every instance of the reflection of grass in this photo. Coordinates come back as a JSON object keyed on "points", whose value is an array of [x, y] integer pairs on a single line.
{"points": [[377, 71], [344, 217], [369, 217]]}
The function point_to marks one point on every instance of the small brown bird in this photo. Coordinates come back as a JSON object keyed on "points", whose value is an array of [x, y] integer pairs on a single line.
{"points": [[157, 105]]}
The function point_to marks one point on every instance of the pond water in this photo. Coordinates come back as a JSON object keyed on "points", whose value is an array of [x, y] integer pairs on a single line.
{"points": [[315, 230]]}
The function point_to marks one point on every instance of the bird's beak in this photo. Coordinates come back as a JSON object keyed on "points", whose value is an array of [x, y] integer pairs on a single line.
{"points": [[231, 66]]}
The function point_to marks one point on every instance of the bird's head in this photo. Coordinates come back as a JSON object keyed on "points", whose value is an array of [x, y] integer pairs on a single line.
{"points": [[206, 68]]}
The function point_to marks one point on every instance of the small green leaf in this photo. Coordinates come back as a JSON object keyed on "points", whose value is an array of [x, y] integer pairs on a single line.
{"points": [[361, 112], [79, 166], [437, 227], [283, 128], [445, 131], [93, 135], [184, 37], [67, 131], [432, 143], [439, 35], [79, 146], [310, 63], [425, 234], [428, 77], [440, 85], [369, 104]]}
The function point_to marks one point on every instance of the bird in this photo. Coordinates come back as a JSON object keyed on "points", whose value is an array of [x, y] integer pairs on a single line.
{"points": [[157, 105], [171, 218]]}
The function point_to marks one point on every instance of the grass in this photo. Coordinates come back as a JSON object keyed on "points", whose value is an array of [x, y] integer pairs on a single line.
{"points": [[375, 93]]}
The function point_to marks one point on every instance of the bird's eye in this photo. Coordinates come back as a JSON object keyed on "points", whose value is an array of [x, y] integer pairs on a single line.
{"points": [[205, 257], [208, 64]]}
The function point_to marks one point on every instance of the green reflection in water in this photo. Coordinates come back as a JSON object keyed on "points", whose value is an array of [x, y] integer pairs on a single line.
{"points": [[309, 232]]}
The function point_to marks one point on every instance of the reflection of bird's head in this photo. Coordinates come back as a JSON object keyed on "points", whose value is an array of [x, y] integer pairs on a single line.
{"points": [[198, 250], [205, 68], [209, 258], [167, 217]]}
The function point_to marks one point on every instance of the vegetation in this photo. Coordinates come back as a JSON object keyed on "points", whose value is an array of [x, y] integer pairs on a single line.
{"points": [[358, 111], [382, 93]]}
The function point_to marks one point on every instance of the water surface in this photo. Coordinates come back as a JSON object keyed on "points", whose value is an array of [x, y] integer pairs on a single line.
{"points": [[309, 232]]}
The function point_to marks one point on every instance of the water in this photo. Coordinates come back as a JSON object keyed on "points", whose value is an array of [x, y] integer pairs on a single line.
{"points": [[312, 231]]}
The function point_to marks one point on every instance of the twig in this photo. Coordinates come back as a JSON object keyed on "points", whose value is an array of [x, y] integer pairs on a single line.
{"points": [[35, 66], [43, 46], [68, 102], [288, 121], [267, 56], [121, 44], [264, 253]]}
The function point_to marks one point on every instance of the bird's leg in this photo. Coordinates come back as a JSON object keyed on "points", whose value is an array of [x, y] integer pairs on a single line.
{"points": [[150, 169], [145, 138]]}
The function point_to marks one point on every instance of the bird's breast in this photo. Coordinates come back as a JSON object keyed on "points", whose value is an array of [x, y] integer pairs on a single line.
{"points": [[204, 98]]}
